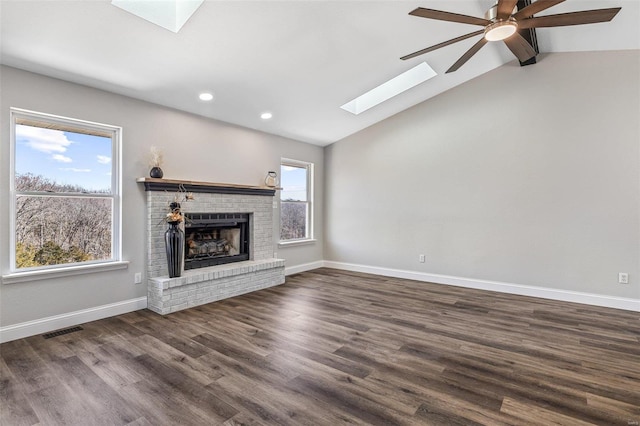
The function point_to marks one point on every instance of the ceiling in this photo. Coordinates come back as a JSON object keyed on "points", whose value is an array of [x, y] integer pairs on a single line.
{"points": [[300, 60]]}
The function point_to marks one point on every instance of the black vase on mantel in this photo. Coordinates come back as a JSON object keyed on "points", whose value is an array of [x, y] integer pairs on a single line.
{"points": [[174, 243], [156, 172]]}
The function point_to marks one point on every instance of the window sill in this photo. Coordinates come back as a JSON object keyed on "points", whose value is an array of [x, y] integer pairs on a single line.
{"points": [[296, 242], [19, 277]]}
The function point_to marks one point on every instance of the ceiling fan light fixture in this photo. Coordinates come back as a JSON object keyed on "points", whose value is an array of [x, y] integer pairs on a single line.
{"points": [[500, 30], [500, 23]]}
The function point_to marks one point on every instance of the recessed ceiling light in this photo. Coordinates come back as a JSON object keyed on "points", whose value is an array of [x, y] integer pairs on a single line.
{"points": [[266, 115], [169, 14], [387, 90], [206, 96]]}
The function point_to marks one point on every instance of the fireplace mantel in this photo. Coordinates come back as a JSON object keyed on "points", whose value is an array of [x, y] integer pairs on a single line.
{"points": [[153, 184]]}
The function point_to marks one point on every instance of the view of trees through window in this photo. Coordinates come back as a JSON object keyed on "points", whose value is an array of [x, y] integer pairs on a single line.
{"points": [[294, 201], [54, 230], [64, 201], [293, 220]]}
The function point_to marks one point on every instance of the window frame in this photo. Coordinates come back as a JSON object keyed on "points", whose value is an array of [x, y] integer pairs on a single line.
{"points": [[309, 203], [18, 115]]}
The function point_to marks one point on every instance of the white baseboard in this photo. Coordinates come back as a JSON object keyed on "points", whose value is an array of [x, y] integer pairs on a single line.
{"points": [[56, 322], [522, 290], [304, 267], [44, 325]]}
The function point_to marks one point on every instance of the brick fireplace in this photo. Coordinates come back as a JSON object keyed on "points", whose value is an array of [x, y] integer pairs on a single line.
{"points": [[202, 285]]}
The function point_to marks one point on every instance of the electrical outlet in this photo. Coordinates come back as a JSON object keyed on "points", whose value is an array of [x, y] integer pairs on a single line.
{"points": [[421, 258], [137, 278], [623, 278]]}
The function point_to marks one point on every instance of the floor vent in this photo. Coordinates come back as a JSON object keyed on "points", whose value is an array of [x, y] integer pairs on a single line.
{"points": [[61, 332]]}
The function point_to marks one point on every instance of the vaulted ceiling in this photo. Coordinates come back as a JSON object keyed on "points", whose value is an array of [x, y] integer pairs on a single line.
{"points": [[300, 60]]}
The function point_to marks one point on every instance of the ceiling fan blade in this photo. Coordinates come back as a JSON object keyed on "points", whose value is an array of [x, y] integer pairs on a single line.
{"points": [[464, 58], [505, 8], [448, 16], [572, 18], [443, 44], [520, 47], [534, 8]]}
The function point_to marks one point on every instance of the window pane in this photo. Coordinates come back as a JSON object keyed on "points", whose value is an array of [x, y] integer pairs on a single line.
{"points": [[61, 161], [294, 183], [61, 230], [293, 220]]}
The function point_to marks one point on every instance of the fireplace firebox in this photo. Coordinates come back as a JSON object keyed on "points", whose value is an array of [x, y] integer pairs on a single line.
{"points": [[215, 238]]}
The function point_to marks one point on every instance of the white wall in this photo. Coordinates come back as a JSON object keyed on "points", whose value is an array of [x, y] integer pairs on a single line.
{"points": [[195, 148], [538, 187], [525, 175]]}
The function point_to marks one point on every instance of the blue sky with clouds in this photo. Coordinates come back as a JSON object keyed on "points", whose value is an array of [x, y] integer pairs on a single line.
{"points": [[64, 157], [293, 180]]}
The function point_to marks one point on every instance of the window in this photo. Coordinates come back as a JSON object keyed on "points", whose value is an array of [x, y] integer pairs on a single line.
{"points": [[65, 192], [296, 199]]}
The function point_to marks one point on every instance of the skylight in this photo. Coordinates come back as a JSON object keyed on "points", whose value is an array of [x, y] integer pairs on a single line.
{"points": [[405, 81], [169, 14]]}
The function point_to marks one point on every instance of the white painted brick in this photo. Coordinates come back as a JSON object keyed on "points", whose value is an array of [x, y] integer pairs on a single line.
{"points": [[178, 307], [218, 282]]}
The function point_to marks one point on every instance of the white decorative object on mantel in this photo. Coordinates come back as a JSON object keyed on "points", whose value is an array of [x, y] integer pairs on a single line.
{"points": [[271, 180]]}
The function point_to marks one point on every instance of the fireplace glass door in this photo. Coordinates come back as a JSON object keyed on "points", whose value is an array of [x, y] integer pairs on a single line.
{"points": [[215, 238]]}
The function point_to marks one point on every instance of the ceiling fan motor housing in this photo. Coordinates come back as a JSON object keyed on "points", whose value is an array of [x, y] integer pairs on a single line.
{"points": [[492, 13]]}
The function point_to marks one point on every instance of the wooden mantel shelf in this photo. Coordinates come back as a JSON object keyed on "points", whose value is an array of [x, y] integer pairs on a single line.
{"points": [[153, 184]]}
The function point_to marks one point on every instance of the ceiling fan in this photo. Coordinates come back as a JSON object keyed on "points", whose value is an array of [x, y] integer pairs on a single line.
{"points": [[502, 22]]}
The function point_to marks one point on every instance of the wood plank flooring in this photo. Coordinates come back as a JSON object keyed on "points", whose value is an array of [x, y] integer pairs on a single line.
{"points": [[332, 347]]}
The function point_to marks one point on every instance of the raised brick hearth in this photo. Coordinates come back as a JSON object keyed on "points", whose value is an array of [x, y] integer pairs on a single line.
{"points": [[205, 285]]}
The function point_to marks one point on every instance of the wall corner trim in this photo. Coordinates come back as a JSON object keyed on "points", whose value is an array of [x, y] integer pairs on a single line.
{"points": [[502, 287], [44, 325]]}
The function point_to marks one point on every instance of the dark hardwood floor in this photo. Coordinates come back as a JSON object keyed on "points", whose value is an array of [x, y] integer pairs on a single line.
{"points": [[332, 347]]}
